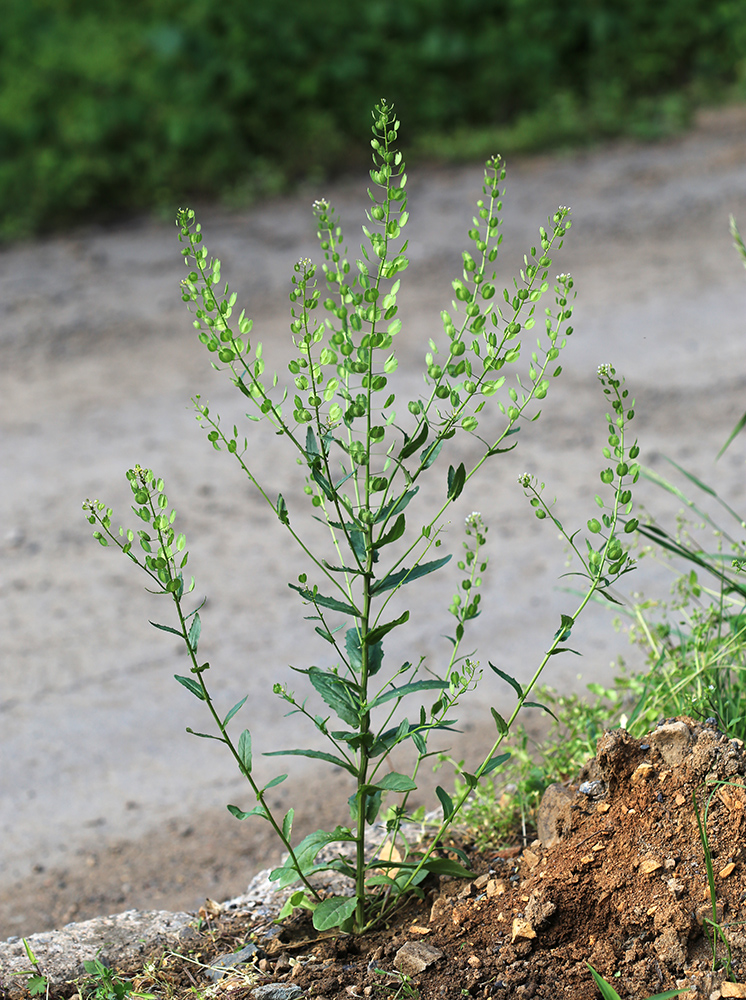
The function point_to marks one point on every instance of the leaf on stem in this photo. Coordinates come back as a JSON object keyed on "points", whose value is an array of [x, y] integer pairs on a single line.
{"points": [[256, 811], [456, 480], [341, 695], [442, 866], [235, 709], [355, 654], [502, 726], [167, 628], [404, 576], [314, 755], [495, 762], [191, 685], [326, 602], [376, 634], [446, 801], [333, 912], [511, 680], [194, 633], [405, 689], [244, 750], [411, 444], [395, 506], [393, 534]]}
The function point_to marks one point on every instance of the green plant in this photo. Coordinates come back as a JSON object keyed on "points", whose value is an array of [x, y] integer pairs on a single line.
{"points": [[609, 993], [36, 982], [101, 983], [363, 463]]}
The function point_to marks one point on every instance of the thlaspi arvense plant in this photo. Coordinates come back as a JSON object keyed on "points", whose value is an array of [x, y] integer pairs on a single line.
{"points": [[364, 455]]}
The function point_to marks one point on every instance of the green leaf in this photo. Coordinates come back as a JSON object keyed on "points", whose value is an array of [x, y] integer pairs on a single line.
{"points": [[446, 801], [244, 750], [376, 634], [395, 506], [393, 534], [495, 762], [325, 602], [502, 726], [734, 433], [607, 991], [394, 782], [405, 689], [191, 685], [511, 680], [275, 781], [306, 852], [404, 576], [194, 633], [314, 755], [256, 811], [287, 824], [282, 509], [233, 711], [339, 694], [355, 655], [430, 454], [324, 483], [312, 446], [411, 444], [456, 480], [333, 912], [442, 866], [167, 628], [205, 736]]}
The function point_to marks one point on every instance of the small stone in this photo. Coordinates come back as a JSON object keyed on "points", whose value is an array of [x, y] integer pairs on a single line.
{"points": [[554, 819], [530, 858], [475, 961], [522, 930], [733, 990], [728, 870], [277, 991], [481, 882], [415, 956], [496, 887], [642, 772], [672, 742], [650, 865], [225, 963], [603, 807]]}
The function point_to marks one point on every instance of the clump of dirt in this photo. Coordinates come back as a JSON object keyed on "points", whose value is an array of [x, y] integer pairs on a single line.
{"points": [[619, 879]]}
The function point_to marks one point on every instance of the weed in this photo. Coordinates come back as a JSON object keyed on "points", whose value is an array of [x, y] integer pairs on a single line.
{"points": [[36, 982], [364, 461], [609, 993], [101, 983]]}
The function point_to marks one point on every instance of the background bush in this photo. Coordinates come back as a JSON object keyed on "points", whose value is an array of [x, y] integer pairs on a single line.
{"points": [[108, 107]]}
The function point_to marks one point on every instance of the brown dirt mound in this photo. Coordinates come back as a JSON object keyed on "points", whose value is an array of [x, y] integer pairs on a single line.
{"points": [[619, 880]]}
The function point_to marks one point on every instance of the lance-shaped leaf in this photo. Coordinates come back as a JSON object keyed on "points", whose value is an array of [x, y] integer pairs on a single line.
{"points": [[191, 685], [442, 866], [324, 483], [405, 689], [393, 534], [376, 634], [404, 576], [446, 801], [395, 506], [314, 755], [495, 762], [325, 602], [430, 453], [511, 680], [233, 711], [282, 509], [167, 628], [456, 480], [244, 750], [502, 726], [256, 811], [355, 653], [194, 633], [411, 445], [341, 695]]}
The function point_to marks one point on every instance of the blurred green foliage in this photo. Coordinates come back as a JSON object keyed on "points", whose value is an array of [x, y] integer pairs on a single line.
{"points": [[107, 106]]}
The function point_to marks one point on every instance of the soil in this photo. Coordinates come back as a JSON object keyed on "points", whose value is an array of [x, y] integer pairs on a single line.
{"points": [[619, 881]]}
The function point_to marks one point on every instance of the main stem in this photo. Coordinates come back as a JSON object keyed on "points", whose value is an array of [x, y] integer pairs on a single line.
{"points": [[362, 774]]}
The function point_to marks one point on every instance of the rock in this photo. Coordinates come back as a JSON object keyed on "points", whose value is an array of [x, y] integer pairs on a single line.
{"points": [[671, 740], [415, 956], [554, 819], [117, 941], [733, 990], [277, 991], [522, 930], [228, 962], [539, 909]]}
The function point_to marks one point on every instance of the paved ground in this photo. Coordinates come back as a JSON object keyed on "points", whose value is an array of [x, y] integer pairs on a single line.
{"points": [[99, 364]]}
